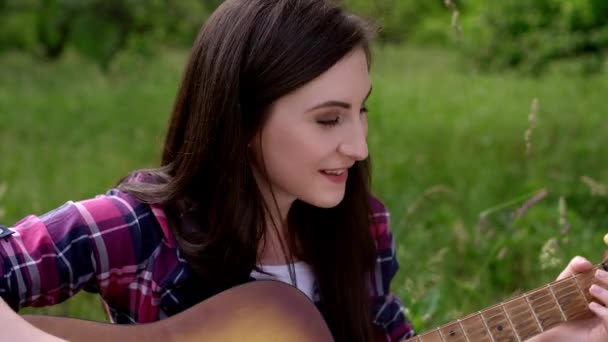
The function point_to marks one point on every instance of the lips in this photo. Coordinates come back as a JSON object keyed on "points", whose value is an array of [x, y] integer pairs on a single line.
{"points": [[335, 175], [335, 172]]}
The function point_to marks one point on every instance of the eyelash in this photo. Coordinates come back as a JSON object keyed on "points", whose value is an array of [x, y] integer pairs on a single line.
{"points": [[334, 122], [330, 123]]}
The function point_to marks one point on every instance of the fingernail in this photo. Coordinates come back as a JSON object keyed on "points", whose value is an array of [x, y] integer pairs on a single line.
{"points": [[596, 290], [601, 274]]}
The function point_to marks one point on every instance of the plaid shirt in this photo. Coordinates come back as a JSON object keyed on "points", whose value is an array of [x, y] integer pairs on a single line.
{"points": [[122, 249]]}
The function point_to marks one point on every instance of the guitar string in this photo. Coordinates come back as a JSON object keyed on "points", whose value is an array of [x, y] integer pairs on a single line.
{"points": [[487, 328], [558, 282], [562, 295], [556, 301]]}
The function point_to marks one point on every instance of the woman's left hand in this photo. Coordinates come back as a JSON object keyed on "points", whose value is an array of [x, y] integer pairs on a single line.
{"points": [[594, 329]]}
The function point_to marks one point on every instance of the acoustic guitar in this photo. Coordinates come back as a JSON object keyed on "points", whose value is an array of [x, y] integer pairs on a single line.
{"points": [[273, 311]]}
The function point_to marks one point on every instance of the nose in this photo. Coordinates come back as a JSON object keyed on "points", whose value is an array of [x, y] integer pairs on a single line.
{"points": [[354, 144]]}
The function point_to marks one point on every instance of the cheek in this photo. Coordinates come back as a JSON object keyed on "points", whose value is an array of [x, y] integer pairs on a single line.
{"points": [[288, 150], [295, 151]]}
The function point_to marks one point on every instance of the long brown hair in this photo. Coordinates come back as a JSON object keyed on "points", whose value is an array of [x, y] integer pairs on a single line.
{"points": [[247, 55]]}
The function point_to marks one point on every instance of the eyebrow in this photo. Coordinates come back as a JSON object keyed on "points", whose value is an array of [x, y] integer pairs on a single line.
{"points": [[333, 103]]}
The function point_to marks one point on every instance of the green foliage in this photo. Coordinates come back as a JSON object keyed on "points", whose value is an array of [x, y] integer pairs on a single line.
{"points": [[99, 29], [399, 19], [522, 34], [52, 27], [97, 38], [17, 28], [531, 34]]}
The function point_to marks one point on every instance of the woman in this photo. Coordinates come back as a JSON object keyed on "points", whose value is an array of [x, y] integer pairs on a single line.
{"points": [[264, 173]]}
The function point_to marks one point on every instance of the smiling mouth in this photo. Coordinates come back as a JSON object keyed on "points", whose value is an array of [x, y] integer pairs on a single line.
{"points": [[336, 172], [338, 176]]}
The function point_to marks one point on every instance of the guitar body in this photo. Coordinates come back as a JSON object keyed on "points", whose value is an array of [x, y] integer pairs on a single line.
{"points": [[256, 311]]}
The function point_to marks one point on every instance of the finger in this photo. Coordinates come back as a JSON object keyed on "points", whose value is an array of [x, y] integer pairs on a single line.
{"points": [[599, 293], [578, 264], [599, 310], [602, 277]]}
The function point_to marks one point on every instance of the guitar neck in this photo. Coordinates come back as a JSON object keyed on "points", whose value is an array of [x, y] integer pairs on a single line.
{"points": [[524, 316]]}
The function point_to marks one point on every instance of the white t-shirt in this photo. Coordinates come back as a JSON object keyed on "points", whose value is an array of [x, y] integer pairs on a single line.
{"points": [[304, 277]]}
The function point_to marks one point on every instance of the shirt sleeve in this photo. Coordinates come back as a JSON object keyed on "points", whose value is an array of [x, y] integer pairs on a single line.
{"points": [[388, 310], [91, 245]]}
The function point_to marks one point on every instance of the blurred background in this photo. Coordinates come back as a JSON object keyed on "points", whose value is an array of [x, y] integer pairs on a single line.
{"points": [[488, 129]]}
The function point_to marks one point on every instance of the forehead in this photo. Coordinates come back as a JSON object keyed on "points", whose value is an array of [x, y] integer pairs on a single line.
{"points": [[348, 80]]}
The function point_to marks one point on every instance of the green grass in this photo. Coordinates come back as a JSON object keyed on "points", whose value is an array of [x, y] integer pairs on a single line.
{"points": [[447, 144]]}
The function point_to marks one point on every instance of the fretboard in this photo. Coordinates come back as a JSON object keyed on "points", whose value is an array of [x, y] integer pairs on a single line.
{"points": [[521, 317]]}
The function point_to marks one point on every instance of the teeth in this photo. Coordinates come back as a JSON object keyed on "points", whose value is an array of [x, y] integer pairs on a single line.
{"points": [[334, 173]]}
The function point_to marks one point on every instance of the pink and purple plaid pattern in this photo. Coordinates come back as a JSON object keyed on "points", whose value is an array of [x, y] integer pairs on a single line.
{"points": [[122, 249]]}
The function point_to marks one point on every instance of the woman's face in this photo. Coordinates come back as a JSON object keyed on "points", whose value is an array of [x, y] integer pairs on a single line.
{"points": [[315, 134]]}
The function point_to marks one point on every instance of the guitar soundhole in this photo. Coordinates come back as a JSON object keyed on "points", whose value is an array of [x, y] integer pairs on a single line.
{"points": [[452, 333], [500, 328]]}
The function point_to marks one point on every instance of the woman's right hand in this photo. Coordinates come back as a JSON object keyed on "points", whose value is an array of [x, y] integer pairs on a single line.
{"points": [[14, 328]]}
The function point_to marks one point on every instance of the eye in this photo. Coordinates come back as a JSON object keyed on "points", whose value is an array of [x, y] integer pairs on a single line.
{"points": [[330, 122], [364, 110]]}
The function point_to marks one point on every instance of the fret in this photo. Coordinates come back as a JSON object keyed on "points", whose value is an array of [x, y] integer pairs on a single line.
{"points": [[502, 306], [545, 307], [463, 331], [452, 333], [476, 329], [432, 336], [485, 323], [580, 289], [522, 318], [585, 281], [540, 327], [556, 301], [569, 298], [499, 326]]}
